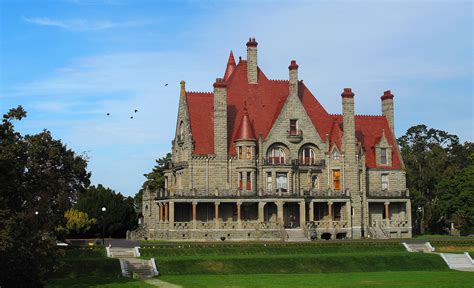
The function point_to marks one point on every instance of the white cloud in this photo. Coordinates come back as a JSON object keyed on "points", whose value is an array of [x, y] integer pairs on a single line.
{"points": [[85, 25]]}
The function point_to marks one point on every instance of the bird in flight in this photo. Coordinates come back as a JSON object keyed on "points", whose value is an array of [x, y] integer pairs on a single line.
{"points": [[108, 114], [166, 84], [136, 110], [131, 117]]}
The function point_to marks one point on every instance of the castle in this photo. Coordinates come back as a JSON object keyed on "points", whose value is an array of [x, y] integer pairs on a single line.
{"points": [[262, 159]]}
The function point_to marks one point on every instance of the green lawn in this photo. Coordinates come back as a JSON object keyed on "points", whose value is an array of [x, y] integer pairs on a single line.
{"points": [[413, 279], [87, 267]]}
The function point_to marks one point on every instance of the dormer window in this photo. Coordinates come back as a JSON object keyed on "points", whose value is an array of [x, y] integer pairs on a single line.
{"points": [[383, 156], [335, 154], [293, 127]]}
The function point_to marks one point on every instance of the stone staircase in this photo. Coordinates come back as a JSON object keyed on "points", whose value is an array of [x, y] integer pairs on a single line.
{"points": [[461, 262], [377, 233], [295, 235], [131, 265], [419, 247]]}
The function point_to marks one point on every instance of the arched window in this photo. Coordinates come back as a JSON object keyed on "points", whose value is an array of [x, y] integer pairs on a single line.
{"points": [[307, 156], [335, 154], [276, 155], [314, 182]]}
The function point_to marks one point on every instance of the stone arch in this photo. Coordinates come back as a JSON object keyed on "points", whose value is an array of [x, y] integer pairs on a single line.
{"points": [[309, 153], [278, 153]]}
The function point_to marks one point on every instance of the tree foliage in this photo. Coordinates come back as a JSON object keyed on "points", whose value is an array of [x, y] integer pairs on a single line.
{"points": [[119, 216], [39, 179], [77, 222], [154, 180], [434, 161]]}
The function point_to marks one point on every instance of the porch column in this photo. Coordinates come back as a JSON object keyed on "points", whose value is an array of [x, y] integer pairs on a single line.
{"points": [[239, 223], [408, 214], [302, 214], [194, 215], [166, 212], [348, 217], [171, 214], [311, 211], [330, 210], [216, 214], [159, 213], [280, 212], [261, 207], [387, 213]]}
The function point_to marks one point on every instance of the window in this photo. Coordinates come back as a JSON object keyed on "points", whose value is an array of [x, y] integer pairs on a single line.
{"points": [[383, 155], [281, 182], [293, 127], [314, 182], [335, 154], [269, 182], [249, 153], [336, 180], [241, 176], [276, 156], [249, 181], [240, 152], [384, 181], [307, 156]]}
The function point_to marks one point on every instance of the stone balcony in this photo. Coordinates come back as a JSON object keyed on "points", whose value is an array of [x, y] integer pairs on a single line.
{"points": [[295, 136], [309, 164], [327, 224], [383, 194]]}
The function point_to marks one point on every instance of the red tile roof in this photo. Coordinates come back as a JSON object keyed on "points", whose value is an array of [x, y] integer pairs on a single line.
{"points": [[201, 115], [264, 102]]}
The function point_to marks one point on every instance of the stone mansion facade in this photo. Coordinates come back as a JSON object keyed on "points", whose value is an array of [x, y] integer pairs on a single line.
{"points": [[262, 159]]}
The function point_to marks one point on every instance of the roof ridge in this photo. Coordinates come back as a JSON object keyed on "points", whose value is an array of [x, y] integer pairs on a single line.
{"points": [[199, 92], [278, 80], [368, 115]]}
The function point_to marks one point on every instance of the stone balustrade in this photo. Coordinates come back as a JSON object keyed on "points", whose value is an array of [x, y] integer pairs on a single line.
{"points": [[327, 224]]}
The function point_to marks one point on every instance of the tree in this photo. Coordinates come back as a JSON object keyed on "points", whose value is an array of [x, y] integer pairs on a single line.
{"points": [[77, 222], [39, 178], [154, 180], [432, 157], [119, 217]]}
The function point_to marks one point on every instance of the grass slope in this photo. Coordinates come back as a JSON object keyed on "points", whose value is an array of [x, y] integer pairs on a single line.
{"points": [[89, 267], [410, 279]]}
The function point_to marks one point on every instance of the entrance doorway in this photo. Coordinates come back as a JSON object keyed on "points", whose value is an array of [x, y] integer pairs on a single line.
{"points": [[291, 215]]}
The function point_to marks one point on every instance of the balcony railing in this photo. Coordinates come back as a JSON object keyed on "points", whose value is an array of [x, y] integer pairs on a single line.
{"points": [[389, 194], [308, 163], [327, 224], [326, 193], [295, 136], [275, 161], [395, 223]]}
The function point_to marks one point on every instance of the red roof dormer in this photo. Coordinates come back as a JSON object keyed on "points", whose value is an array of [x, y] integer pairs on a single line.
{"points": [[245, 131]]}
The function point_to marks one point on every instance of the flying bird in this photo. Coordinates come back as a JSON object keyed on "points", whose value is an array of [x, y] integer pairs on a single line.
{"points": [[108, 114], [131, 117], [166, 84], [136, 110]]}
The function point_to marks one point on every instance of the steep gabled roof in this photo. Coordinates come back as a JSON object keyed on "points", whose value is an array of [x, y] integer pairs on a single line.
{"points": [[201, 116]]}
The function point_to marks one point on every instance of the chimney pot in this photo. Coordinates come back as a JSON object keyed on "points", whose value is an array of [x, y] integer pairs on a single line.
{"points": [[347, 93], [387, 95], [293, 65]]}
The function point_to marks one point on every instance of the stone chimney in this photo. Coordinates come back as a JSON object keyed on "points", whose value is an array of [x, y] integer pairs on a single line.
{"points": [[350, 173], [220, 118], [293, 78], [252, 68], [387, 109]]}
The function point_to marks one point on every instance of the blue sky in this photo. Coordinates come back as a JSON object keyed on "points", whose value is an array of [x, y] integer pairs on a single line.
{"points": [[70, 62]]}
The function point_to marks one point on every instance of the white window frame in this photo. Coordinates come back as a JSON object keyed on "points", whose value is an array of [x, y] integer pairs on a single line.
{"points": [[384, 184], [280, 183]]}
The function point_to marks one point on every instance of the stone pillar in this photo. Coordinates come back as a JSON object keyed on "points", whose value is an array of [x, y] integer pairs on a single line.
{"points": [[261, 207], [166, 212], [194, 214], [239, 222], [171, 214], [280, 212], [302, 214], [387, 213], [216, 214], [408, 215], [330, 210], [311, 211], [160, 216]]}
